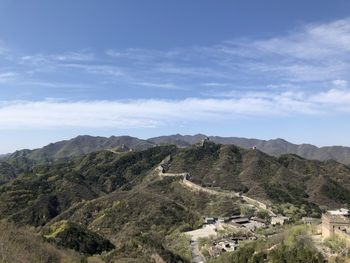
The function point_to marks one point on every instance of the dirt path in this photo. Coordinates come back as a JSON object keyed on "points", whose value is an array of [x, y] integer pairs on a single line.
{"points": [[197, 256]]}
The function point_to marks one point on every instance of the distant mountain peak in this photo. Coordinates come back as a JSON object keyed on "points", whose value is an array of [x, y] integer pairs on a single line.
{"points": [[83, 144]]}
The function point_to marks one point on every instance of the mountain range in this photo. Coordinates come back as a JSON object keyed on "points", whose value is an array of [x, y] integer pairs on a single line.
{"points": [[86, 144], [115, 201], [275, 147], [112, 201]]}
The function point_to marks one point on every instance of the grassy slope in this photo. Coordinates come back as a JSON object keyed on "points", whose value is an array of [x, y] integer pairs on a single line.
{"points": [[288, 178], [79, 146], [36, 197], [24, 246]]}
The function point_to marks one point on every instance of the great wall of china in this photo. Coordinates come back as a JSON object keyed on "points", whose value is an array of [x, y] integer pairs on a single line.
{"points": [[195, 187]]}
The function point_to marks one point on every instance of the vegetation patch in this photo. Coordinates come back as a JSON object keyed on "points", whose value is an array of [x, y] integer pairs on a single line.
{"points": [[73, 236]]}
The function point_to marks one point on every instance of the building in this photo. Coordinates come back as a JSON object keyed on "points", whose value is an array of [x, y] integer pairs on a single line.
{"points": [[335, 222], [226, 245], [209, 220], [241, 220], [340, 212], [279, 220], [257, 219]]}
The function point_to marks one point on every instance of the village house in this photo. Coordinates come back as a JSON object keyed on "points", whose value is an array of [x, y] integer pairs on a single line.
{"points": [[279, 220], [226, 245], [209, 220]]}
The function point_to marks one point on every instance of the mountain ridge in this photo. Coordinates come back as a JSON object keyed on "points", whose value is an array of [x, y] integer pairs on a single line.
{"points": [[84, 144], [275, 147]]}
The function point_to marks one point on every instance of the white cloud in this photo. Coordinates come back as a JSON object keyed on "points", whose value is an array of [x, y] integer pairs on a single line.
{"points": [[311, 42], [156, 112], [160, 85], [340, 83], [336, 97], [38, 59], [215, 84], [6, 77], [97, 69], [73, 56]]}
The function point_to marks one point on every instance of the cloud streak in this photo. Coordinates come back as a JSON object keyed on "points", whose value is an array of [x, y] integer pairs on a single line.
{"points": [[6, 77], [154, 113], [314, 58]]}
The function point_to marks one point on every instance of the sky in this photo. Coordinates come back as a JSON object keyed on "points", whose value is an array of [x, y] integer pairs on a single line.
{"points": [[257, 69]]}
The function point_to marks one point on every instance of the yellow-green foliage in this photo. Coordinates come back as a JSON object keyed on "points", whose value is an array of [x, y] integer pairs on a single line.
{"points": [[204, 241], [336, 244], [115, 204], [233, 232], [98, 218], [293, 233], [56, 228], [179, 244], [247, 210], [295, 212], [292, 245]]}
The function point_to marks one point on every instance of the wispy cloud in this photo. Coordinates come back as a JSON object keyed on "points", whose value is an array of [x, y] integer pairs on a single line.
{"points": [[160, 85], [96, 69], [312, 54], [157, 113], [43, 59], [6, 77], [215, 84], [74, 56], [311, 58]]}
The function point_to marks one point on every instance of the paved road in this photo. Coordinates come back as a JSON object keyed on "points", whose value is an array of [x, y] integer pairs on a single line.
{"points": [[197, 257]]}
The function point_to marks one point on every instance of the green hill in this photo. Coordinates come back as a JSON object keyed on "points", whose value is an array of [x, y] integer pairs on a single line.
{"points": [[288, 178], [81, 145], [116, 202]]}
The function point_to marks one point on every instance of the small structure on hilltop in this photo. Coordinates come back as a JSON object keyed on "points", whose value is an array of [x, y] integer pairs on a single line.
{"points": [[336, 222], [202, 142], [165, 164]]}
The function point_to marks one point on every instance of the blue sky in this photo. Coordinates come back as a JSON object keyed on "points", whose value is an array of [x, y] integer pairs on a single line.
{"points": [[262, 69]]}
